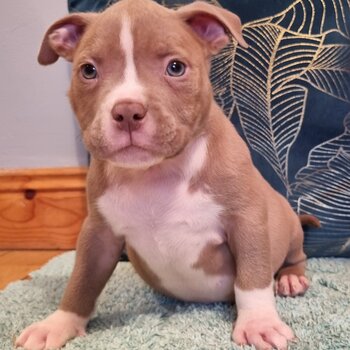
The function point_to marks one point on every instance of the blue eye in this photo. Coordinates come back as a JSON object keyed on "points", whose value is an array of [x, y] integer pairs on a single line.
{"points": [[88, 71], [176, 68]]}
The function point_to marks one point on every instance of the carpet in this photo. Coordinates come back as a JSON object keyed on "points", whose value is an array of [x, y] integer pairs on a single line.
{"points": [[131, 316]]}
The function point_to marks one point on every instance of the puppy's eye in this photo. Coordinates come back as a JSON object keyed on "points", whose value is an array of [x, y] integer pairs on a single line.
{"points": [[88, 71], [176, 68]]}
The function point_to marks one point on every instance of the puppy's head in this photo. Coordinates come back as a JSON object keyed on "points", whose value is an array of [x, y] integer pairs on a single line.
{"points": [[140, 81]]}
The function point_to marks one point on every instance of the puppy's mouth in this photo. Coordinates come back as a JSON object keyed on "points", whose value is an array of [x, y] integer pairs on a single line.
{"points": [[132, 148], [131, 145], [133, 156], [126, 149]]}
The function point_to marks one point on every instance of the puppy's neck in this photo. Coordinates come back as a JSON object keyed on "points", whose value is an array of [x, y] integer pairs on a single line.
{"points": [[184, 166]]}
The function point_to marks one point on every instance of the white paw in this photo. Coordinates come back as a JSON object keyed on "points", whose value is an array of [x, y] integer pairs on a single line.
{"points": [[261, 328], [291, 285], [53, 332]]}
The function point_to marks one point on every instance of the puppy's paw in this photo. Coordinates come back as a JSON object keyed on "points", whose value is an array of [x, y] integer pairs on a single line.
{"points": [[291, 285], [263, 329], [53, 332]]}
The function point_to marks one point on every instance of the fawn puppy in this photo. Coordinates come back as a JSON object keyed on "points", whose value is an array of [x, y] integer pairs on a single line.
{"points": [[170, 180]]}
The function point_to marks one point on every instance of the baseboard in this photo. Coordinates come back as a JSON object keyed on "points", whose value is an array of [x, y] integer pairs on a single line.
{"points": [[41, 208]]}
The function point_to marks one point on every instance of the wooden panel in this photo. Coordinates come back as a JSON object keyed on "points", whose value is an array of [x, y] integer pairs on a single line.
{"points": [[15, 265], [41, 208], [42, 179]]}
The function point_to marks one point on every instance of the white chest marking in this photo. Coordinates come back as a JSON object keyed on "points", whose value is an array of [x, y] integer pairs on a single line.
{"points": [[169, 227]]}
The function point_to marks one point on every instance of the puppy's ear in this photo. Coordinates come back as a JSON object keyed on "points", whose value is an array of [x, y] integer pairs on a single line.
{"points": [[62, 38], [212, 24]]}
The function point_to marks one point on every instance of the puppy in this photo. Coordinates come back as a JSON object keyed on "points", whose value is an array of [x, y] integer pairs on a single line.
{"points": [[170, 179]]}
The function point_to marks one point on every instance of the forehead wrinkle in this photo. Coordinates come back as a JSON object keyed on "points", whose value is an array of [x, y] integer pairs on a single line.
{"points": [[174, 39], [100, 42]]}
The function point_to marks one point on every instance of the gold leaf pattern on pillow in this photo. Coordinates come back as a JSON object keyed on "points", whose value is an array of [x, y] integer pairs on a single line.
{"points": [[264, 81]]}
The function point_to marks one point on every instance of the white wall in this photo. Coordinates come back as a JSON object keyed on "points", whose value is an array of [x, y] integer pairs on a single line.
{"points": [[37, 126]]}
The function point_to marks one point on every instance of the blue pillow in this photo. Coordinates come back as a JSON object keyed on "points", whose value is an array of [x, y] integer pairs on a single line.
{"points": [[289, 97]]}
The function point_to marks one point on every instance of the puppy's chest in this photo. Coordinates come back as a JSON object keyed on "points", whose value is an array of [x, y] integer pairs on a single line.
{"points": [[161, 215], [172, 229]]}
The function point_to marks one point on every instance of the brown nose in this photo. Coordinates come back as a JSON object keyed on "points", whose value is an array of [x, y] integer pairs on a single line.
{"points": [[128, 115]]}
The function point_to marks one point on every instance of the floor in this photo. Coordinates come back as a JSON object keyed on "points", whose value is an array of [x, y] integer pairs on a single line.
{"points": [[17, 264]]}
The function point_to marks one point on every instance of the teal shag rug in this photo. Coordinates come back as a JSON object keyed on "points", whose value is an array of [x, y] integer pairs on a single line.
{"points": [[130, 315]]}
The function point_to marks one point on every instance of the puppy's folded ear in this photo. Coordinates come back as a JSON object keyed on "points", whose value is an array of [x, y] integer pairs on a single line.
{"points": [[212, 24], [62, 38]]}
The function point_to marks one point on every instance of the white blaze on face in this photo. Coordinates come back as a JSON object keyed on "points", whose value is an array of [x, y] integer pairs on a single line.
{"points": [[130, 87]]}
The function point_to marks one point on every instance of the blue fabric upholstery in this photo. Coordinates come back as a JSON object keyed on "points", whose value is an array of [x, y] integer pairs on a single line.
{"points": [[289, 97]]}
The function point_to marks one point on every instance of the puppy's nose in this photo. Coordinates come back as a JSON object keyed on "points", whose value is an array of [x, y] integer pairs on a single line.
{"points": [[128, 115]]}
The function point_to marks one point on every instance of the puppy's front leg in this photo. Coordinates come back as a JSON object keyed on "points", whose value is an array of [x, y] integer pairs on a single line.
{"points": [[98, 252], [257, 321]]}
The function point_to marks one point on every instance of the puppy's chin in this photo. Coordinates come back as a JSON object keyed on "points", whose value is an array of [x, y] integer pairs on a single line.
{"points": [[133, 157]]}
